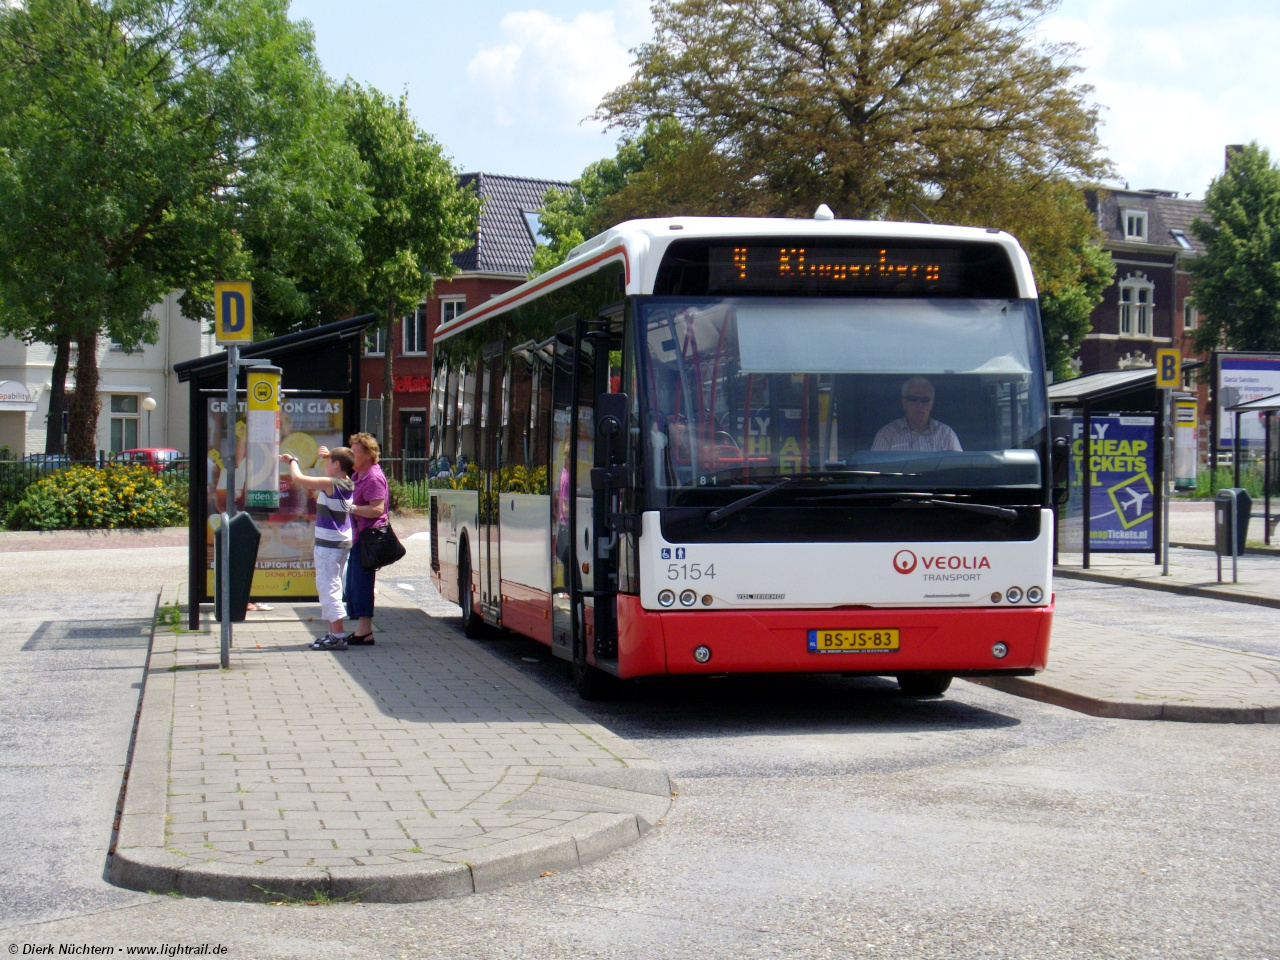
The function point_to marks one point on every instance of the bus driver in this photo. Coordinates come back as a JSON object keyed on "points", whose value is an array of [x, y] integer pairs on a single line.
{"points": [[917, 430]]}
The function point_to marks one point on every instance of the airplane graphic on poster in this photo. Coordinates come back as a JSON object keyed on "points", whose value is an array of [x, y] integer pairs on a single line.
{"points": [[1129, 498]]}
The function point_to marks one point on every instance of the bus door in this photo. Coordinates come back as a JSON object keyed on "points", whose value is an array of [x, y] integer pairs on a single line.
{"points": [[490, 445], [579, 569]]}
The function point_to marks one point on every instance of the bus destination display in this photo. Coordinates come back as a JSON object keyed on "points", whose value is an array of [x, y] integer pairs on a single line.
{"points": [[857, 269]]}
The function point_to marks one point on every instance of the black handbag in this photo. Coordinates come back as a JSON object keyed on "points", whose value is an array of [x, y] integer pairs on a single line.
{"points": [[380, 547]]}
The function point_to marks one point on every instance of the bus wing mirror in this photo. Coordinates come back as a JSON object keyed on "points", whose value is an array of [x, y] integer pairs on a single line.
{"points": [[612, 410], [1060, 430]]}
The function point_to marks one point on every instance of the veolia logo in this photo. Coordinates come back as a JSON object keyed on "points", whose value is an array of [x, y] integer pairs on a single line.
{"points": [[904, 561]]}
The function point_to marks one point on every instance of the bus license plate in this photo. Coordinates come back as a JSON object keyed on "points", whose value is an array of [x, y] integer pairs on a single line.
{"points": [[853, 641]]}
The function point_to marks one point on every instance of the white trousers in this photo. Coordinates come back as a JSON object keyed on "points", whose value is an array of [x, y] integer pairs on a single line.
{"points": [[331, 577]]}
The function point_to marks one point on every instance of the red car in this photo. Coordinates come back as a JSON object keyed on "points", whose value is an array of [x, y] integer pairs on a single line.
{"points": [[157, 458]]}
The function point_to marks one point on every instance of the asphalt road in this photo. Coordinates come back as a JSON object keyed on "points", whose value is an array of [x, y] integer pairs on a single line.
{"points": [[829, 818]]}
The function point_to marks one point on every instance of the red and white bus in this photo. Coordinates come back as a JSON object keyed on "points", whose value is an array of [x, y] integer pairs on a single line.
{"points": [[720, 445]]}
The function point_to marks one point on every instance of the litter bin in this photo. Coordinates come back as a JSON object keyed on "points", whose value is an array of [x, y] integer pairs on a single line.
{"points": [[1232, 508], [245, 536]]}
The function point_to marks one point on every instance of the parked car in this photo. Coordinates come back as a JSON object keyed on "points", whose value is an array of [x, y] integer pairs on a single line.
{"points": [[46, 461], [156, 458]]}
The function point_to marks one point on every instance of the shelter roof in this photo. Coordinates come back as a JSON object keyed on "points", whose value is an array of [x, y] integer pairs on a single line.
{"points": [[1261, 404], [1097, 387], [277, 347]]}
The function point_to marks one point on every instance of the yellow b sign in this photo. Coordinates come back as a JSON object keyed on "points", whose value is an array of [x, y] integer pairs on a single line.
{"points": [[233, 311], [1168, 368]]}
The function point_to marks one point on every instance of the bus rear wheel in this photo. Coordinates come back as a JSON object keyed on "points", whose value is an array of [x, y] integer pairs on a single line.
{"points": [[926, 683], [472, 623]]}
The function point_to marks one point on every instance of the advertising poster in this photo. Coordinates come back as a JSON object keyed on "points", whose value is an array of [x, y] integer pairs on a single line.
{"points": [[285, 567], [1242, 378], [1122, 499]]}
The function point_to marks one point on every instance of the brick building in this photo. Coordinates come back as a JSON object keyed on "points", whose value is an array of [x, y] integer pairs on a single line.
{"points": [[500, 259], [1148, 234]]}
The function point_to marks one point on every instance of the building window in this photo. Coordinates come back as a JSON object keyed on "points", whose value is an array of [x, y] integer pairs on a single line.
{"points": [[375, 341], [1136, 307], [1135, 225], [415, 332], [1188, 379], [1190, 315], [451, 309], [533, 220], [124, 422], [1181, 237]]}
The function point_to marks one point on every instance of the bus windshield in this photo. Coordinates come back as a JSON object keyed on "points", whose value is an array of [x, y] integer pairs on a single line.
{"points": [[901, 394]]}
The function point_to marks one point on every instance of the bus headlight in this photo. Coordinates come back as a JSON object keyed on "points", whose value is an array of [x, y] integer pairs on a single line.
{"points": [[1013, 594], [999, 651], [666, 598], [1034, 594], [702, 654], [688, 598]]}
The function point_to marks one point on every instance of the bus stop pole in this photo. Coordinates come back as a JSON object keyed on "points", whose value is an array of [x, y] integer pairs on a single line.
{"points": [[1165, 476], [229, 468], [1086, 480], [1266, 479], [1235, 454]]}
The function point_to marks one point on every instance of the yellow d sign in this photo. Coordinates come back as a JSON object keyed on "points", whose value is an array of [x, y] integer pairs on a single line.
{"points": [[1168, 368], [233, 311]]}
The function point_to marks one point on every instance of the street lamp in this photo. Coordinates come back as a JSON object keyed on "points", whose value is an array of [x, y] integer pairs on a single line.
{"points": [[148, 404]]}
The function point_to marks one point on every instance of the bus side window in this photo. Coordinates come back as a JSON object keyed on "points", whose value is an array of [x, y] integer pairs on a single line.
{"points": [[517, 439]]}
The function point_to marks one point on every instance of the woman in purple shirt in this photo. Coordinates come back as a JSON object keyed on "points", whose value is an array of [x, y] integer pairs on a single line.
{"points": [[369, 509]]}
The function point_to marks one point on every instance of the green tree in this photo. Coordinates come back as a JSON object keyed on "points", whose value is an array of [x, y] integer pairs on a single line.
{"points": [[421, 215], [147, 145], [870, 106], [1236, 281]]}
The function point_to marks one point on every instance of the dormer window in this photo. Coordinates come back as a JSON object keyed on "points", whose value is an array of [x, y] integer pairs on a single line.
{"points": [[1135, 225]]}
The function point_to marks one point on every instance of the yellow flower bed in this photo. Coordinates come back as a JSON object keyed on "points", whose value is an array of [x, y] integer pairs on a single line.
{"points": [[82, 497]]}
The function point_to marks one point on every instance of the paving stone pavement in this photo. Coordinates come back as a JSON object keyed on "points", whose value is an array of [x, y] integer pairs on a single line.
{"points": [[420, 757], [1113, 672], [1192, 572]]}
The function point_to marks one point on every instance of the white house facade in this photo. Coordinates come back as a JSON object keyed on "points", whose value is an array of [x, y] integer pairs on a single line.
{"points": [[125, 380]]}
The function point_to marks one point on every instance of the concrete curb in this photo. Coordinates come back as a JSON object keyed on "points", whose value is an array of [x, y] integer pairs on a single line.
{"points": [[1185, 589], [1250, 551], [639, 797], [1140, 710]]}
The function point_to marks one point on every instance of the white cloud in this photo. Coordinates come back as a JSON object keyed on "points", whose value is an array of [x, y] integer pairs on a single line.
{"points": [[548, 73], [1178, 83]]}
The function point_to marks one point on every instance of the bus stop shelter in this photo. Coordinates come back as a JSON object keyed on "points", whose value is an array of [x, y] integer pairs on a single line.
{"points": [[1267, 408], [1118, 410], [320, 388]]}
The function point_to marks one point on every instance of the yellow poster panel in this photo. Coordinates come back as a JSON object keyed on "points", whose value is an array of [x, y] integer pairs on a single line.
{"points": [[287, 584], [285, 565]]}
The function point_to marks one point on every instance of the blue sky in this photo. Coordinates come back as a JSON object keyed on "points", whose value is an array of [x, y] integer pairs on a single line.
{"points": [[505, 84]]}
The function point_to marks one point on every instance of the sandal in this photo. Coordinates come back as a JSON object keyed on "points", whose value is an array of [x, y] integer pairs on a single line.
{"points": [[360, 641]]}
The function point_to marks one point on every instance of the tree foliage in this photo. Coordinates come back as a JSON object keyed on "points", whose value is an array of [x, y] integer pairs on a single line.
{"points": [[148, 145], [1236, 281], [894, 109], [870, 106], [421, 216]]}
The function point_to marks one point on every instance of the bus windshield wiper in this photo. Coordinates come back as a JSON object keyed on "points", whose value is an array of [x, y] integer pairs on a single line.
{"points": [[924, 499], [715, 516]]}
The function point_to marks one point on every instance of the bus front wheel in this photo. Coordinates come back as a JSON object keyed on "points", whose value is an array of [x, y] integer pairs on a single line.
{"points": [[594, 684], [924, 684]]}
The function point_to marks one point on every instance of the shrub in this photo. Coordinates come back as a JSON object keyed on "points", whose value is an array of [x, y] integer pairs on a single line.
{"points": [[80, 498], [1208, 485]]}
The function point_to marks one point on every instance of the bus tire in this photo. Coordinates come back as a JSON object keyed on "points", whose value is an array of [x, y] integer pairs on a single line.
{"points": [[472, 623], [594, 684], [926, 683]]}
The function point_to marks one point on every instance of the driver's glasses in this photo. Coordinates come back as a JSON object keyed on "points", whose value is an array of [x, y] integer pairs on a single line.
{"points": [[920, 400]]}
